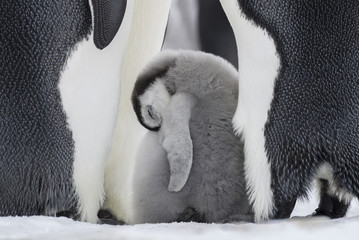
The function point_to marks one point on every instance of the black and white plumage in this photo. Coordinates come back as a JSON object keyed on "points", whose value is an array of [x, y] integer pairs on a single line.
{"points": [[298, 101], [43, 166], [190, 166]]}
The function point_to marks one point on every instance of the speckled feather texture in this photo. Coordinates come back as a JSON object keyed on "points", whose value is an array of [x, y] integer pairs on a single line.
{"points": [[314, 114], [36, 146]]}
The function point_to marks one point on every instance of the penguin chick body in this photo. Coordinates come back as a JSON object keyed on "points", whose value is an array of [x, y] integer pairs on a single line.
{"points": [[187, 99]]}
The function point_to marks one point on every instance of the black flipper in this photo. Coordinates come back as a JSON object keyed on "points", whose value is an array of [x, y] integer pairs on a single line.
{"points": [[108, 16]]}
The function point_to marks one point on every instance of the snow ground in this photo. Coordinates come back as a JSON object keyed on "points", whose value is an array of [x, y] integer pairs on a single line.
{"points": [[41, 228]]}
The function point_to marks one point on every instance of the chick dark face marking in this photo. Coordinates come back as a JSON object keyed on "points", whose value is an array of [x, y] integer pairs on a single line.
{"points": [[143, 95]]}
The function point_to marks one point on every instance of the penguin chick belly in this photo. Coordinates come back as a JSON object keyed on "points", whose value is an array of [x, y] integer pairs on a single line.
{"points": [[152, 202]]}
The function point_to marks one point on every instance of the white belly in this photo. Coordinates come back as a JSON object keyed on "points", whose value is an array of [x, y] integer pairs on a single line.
{"points": [[90, 92]]}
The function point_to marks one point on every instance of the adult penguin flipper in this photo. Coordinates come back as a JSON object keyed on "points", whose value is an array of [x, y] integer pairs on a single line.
{"points": [[107, 16]]}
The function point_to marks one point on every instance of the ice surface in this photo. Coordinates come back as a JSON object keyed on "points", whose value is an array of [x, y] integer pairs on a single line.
{"points": [[303, 228]]}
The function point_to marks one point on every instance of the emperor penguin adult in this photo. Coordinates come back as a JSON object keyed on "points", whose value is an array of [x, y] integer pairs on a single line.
{"points": [[189, 167], [60, 91], [298, 105]]}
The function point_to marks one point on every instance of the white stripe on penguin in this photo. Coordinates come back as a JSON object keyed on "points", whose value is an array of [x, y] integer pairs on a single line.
{"points": [[258, 68]]}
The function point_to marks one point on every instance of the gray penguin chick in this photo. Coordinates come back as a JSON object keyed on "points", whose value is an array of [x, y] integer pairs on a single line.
{"points": [[189, 167]]}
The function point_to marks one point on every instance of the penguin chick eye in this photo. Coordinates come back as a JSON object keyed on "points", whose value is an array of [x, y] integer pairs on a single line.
{"points": [[150, 112], [153, 117]]}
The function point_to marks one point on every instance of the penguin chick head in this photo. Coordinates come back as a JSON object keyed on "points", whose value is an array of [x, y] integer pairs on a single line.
{"points": [[150, 95], [152, 104]]}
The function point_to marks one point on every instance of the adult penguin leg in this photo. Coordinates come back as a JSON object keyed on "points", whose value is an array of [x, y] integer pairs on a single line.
{"points": [[330, 205], [336, 181], [291, 175], [285, 209]]}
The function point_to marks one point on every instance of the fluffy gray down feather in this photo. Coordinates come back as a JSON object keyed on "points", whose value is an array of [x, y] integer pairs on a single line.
{"points": [[192, 96]]}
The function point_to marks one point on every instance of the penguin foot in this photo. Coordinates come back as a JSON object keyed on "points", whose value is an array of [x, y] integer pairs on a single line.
{"points": [[330, 205], [191, 215], [240, 218], [334, 209], [284, 210], [106, 217], [68, 214]]}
